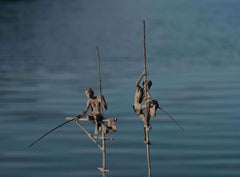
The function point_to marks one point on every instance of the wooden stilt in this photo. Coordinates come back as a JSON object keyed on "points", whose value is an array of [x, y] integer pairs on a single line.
{"points": [[147, 115]]}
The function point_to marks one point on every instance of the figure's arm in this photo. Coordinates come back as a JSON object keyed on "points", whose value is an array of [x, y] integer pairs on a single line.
{"points": [[103, 102], [85, 110], [139, 79]]}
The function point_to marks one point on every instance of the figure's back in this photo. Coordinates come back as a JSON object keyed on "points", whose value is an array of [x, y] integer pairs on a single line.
{"points": [[95, 105], [138, 98]]}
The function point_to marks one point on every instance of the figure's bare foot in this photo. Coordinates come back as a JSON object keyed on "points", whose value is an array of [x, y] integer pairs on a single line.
{"points": [[71, 118], [147, 142], [148, 128]]}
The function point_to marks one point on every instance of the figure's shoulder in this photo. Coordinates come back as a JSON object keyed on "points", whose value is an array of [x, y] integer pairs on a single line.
{"points": [[92, 99], [98, 98]]}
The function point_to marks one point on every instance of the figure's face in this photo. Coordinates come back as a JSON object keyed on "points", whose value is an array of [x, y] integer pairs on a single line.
{"points": [[88, 93], [147, 85]]}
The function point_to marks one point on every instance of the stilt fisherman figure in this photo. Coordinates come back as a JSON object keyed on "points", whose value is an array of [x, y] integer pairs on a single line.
{"points": [[96, 103], [144, 110]]}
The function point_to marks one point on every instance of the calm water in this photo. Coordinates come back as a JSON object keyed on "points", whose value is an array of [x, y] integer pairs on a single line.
{"points": [[47, 58]]}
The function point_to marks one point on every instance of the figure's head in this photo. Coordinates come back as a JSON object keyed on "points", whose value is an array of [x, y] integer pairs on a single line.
{"points": [[89, 92], [149, 84]]}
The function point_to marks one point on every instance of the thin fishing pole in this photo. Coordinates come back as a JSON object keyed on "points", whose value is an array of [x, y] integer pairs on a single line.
{"points": [[175, 121], [37, 140]]}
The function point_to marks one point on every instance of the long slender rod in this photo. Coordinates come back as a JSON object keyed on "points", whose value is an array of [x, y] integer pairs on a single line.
{"points": [[146, 102], [99, 72], [47, 133], [103, 168], [103, 153]]}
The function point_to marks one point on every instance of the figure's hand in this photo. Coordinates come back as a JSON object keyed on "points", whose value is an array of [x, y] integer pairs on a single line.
{"points": [[79, 116], [144, 73]]}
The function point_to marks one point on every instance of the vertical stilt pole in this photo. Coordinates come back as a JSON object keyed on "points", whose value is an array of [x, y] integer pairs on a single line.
{"points": [[146, 129], [103, 149], [148, 159], [103, 153]]}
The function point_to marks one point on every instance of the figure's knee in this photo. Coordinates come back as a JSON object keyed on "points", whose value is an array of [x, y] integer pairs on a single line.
{"points": [[138, 108], [90, 118], [153, 108], [153, 111], [111, 125], [144, 119]]}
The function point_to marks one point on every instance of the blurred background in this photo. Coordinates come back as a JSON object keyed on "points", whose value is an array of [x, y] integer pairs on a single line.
{"points": [[48, 57]]}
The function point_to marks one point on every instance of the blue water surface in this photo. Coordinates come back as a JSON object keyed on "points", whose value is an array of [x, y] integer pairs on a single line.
{"points": [[48, 57]]}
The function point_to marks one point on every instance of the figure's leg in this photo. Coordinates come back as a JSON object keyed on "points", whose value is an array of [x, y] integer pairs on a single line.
{"points": [[153, 111], [98, 119], [146, 135], [153, 108], [146, 121], [142, 116], [111, 124], [91, 118], [96, 125], [147, 127]]}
